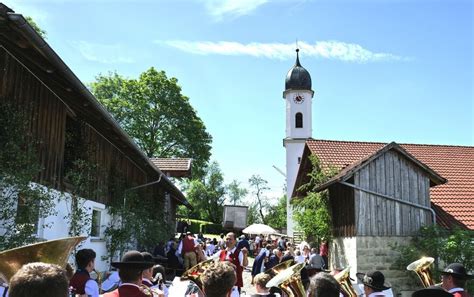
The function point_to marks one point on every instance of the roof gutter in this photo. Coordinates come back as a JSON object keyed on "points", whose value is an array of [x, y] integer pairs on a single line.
{"points": [[392, 199], [39, 43]]}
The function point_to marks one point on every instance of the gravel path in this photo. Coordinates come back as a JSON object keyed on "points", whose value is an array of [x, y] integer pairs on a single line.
{"points": [[247, 277]]}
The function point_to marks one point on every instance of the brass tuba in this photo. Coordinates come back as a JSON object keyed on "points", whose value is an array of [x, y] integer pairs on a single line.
{"points": [[52, 252], [422, 268], [194, 273], [289, 280], [272, 272], [344, 279]]}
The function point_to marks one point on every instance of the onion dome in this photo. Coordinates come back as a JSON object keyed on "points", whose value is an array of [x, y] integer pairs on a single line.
{"points": [[298, 77]]}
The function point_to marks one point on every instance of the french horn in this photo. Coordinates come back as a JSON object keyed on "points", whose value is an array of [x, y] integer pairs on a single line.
{"points": [[422, 268], [344, 279], [52, 252], [289, 281]]}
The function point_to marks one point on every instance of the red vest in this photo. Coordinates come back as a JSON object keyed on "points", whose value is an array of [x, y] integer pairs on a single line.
{"points": [[234, 259], [188, 244], [126, 291], [78, 281], [461, 294]]}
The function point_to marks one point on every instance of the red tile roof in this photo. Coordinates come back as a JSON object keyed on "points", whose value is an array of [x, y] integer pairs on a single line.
{"points": [[174, 167], [455, 163]]}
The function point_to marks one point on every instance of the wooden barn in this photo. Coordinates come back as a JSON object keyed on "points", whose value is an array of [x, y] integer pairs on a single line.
{"points": [[68, 124], [383, 193]]}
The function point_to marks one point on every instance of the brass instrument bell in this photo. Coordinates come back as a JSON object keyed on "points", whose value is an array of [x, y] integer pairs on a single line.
{"points": [[344, 279], [52, 252], [194, 273], [289, 280], [422, 268]]}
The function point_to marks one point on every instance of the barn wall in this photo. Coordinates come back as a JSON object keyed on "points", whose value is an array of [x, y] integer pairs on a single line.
{"points": [[393, 175], [342, 209], [48, 116]]}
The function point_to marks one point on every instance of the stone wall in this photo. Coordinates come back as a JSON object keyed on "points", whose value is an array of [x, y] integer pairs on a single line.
{"points": [[367, 253]]}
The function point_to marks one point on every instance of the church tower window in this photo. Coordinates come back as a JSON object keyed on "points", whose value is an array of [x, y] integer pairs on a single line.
{"points": [[299, 120]]}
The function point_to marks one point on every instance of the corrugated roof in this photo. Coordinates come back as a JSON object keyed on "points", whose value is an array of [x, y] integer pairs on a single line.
{"points": [[455, 163]]}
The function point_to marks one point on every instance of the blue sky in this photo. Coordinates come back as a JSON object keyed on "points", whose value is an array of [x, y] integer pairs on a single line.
{"points": [[381, 70]]}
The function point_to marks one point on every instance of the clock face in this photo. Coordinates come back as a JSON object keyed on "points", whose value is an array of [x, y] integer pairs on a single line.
{"points": [[298, 98]]}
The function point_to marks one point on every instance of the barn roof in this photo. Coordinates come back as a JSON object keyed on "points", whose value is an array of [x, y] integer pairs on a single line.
{"points": [[174, 167], [347, 172], [452, 201], [20, 39]]}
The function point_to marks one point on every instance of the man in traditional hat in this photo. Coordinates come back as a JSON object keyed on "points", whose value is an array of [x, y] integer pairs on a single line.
{"points": [[81, 281], [219, 279], [454, 278], [39, 279], [374, 283], [237, 257], [130, 269]]}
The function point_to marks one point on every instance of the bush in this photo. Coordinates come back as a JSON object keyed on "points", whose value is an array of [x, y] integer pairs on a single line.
{"points": [[212, 229]]}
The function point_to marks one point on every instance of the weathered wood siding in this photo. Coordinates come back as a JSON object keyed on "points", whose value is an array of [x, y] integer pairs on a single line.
{"points": [[48, 115], [393, 175], [342, 209]]}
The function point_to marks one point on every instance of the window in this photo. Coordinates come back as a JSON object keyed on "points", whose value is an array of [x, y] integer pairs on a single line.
{"points": [[95, 228], [299, 120]]}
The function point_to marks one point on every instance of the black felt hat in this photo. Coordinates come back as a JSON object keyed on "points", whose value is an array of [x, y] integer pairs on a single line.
{"points": [[457, 270], [374, 280], [433, 291], [149, 257], [134, 260]]}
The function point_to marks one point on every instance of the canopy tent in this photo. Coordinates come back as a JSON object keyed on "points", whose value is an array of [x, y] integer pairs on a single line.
{"points": [[259, 229]]}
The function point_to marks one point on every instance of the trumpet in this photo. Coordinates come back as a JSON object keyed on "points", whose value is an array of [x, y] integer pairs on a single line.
{"points": [[422, 268]]}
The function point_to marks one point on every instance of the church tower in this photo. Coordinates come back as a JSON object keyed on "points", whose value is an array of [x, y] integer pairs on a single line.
{"points": [[298, 96]]}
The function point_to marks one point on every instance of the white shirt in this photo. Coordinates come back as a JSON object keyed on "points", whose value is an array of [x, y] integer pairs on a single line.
{"points": [[454, 290], [92, 288], [210, 248], [111, 282], [300, 259], [241, 256]]}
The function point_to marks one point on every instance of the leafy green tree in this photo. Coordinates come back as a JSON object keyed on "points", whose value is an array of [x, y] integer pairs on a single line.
{"points": [[35, 26], [253, 216], [154, 112], [259, 186], [276, 216], [446, 246], [312, 212], [235, 192], [207, 195]]}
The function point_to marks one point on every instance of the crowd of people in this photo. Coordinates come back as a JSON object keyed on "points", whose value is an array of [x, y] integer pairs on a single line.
{"points": [[138, 275]]}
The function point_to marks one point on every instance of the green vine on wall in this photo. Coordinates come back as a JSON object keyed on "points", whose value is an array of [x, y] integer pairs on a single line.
{"points": [[22, 202], [312, 212]]}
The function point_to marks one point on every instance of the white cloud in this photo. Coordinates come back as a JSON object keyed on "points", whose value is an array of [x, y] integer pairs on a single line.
{"points": [[220, 9], [337, 50], [103, 53]]}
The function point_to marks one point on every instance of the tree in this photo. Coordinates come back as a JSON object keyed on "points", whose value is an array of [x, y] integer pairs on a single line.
{"points": [[235, 192], [208, 195], [35, 26], [276, 216], [259, 186], [152, 110], [312, 212]]}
